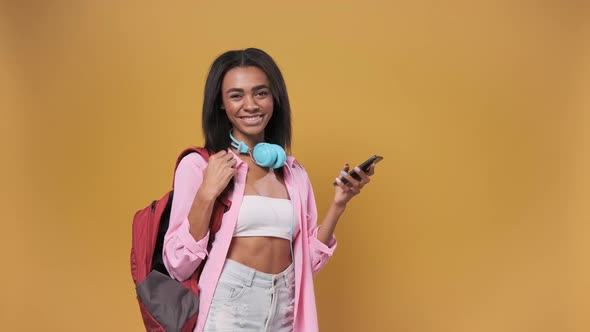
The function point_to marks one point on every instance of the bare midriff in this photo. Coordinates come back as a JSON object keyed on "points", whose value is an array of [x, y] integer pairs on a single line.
{"points": [[262, 253]]}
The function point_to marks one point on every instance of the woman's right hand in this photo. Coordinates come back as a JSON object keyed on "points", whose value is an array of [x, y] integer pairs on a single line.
{"points": [[219, 171]]}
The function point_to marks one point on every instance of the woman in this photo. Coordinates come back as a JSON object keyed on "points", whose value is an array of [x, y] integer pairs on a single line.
{"points": [[258, 275]]}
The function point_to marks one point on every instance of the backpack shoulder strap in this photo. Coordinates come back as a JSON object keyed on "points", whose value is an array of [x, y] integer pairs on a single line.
{"points": [[202, 151]]}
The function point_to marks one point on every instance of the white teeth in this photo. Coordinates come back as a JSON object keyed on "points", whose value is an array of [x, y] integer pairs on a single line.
{"points": [[252, 120]]}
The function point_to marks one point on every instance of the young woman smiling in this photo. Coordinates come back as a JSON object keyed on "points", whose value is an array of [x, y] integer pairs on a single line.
{"points": [[259, 272]]}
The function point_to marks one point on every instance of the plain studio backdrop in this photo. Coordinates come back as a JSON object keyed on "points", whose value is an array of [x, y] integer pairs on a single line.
{"points": [[476, 221]]}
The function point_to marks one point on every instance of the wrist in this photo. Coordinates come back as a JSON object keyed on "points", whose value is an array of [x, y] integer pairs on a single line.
{"points": [[206, 196], [338, 207]]}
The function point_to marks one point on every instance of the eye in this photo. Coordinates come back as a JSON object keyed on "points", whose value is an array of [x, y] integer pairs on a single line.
{"points": [[262, 93], [235, 96]]}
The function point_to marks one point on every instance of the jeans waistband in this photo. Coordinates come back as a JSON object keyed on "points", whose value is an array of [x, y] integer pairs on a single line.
{"points": [[250, 276]]}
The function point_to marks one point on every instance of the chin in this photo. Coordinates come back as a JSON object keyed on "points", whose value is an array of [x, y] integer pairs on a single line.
{"points": [[251, 131]]}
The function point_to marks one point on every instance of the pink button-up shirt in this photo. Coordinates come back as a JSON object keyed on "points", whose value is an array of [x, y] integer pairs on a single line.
{"points": [[182, 254]]}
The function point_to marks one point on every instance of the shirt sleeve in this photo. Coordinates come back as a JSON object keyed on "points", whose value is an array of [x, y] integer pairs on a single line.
{"points": [[319, 252], [182, 254]]}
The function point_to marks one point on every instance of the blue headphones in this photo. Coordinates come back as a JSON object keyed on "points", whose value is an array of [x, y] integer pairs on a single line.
{"points": [[263, 154]]}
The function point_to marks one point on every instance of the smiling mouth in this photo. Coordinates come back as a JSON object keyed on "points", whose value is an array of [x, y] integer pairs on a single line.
{"points": [[254, 119]]}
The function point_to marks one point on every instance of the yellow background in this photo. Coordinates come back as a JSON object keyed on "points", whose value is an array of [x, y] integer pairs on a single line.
{"points": [[477, 219]]}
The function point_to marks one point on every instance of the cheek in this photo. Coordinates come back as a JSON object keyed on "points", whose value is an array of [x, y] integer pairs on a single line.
{"points": [[269, 104], [230, 108], [230, 115]]}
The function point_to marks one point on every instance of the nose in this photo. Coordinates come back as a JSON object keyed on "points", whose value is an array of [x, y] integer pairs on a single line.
{"points": [[250, 104]]}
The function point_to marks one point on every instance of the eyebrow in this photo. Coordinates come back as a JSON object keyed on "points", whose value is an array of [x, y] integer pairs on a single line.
{"points": [[256, 88]]}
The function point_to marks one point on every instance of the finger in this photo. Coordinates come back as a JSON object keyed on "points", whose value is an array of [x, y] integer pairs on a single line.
{"points": [[226, 159], [217, 155], [346, 168], [232, 163], [220, 153], [341, 184], [364, 177], [344, 171], [371, 170], [355, 188], [342, 175], [351, 181], [230, 173]]}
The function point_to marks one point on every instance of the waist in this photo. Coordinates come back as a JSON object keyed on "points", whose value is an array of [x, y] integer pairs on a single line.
{"points": [[265, 254], [251, 276]]}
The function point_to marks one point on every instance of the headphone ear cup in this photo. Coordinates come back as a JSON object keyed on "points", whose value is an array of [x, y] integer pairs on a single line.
{"points": [[269, 155], [264, 155], [281, 157]]}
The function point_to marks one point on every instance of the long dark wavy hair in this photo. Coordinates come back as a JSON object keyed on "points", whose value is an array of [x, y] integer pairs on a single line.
{"points": [[216, 125]]}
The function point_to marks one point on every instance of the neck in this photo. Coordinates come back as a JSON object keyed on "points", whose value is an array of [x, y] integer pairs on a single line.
{"points": [[251, 141]]}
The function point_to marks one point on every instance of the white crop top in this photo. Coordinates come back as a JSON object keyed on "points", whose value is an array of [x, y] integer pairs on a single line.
{"points": [[266, 216]]}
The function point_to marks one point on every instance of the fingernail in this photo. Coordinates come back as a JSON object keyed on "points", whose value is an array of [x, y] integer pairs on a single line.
{"points": [[357, 169], [343, 173]]}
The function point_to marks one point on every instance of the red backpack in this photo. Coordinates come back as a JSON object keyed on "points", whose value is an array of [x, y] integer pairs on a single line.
{"points": [[166, 305]]}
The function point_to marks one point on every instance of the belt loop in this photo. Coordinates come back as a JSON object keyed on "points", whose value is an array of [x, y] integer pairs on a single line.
{"points": [[251, 274]]}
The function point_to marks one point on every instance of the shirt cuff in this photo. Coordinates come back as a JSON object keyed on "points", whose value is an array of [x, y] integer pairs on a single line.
{"points": [[198, 248], [321, 246]]}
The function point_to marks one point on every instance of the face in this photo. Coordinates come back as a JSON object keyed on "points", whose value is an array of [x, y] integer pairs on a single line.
{"points": [[248, 102]]}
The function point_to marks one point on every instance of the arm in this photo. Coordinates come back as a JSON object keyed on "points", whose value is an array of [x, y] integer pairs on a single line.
{"points": [[326, 232], [197, 185], [184, 251], [322, 240]]}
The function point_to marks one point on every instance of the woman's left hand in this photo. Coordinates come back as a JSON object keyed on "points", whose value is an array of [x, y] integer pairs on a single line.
{"points": [[346, 191]]}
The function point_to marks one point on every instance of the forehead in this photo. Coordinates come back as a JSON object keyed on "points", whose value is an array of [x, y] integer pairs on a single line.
{"points": [[244, 77]]}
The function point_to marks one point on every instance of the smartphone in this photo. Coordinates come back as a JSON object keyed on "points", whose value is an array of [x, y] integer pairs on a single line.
{"points": [[364, 166]]}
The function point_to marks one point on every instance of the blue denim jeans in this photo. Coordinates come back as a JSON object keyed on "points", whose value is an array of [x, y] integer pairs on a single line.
{"points": [[249, 300]]}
